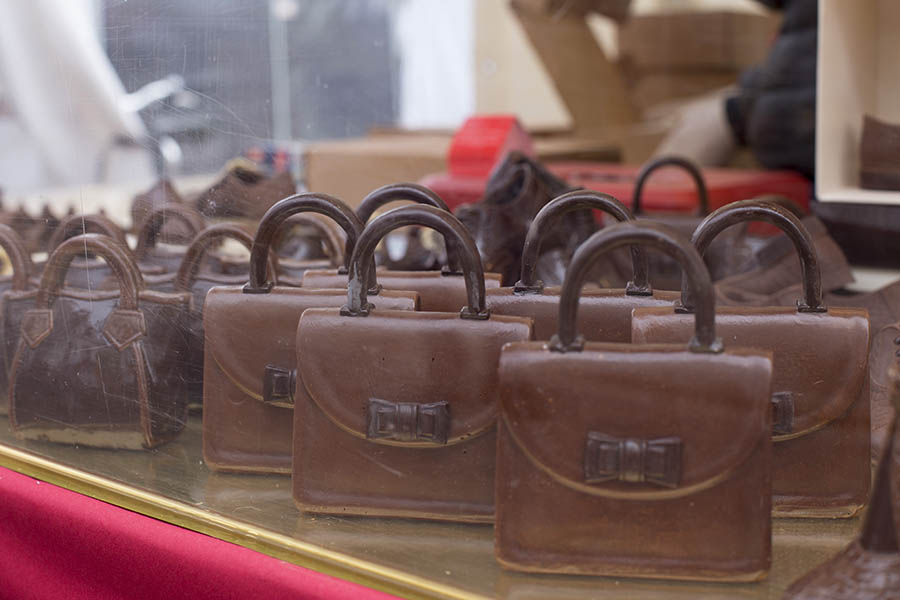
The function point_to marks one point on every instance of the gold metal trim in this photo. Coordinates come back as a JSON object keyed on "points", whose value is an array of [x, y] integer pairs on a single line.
{"points": [[256, 538]]}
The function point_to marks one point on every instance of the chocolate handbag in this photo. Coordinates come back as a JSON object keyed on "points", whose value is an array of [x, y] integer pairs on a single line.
{"points": [[85, 271], [322, 247], [820, 389], [635, 460], [17, 289], [439, 291], [153, 259], [99, 368], [409, 429], [250, 349], [605, 314], [726, 256]]}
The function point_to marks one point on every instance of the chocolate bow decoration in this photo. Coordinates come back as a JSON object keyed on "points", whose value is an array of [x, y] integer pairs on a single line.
{"points": [[634, 460], [408, 421]]}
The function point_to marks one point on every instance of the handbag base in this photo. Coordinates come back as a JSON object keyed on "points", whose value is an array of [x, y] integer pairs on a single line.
{"points": [[357, 511], [799, 508], [673, 573], [94, 438]]}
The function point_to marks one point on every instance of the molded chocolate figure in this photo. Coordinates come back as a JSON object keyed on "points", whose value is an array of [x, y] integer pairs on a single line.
{"points": [[868, 568]]}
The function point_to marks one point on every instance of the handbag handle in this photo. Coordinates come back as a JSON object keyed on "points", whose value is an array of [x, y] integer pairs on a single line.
{"points": [[156, 220], [119, 260], [203, 242], [426, 216], [411, 192], [549, 216], [73, 225], [646, 233], [777, 215], [670, 161], [19, 259], [328, 235], [280, 212]]}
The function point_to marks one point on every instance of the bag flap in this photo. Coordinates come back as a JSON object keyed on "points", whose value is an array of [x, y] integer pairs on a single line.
{"points": [[245, 333], [820, 359], [348, 364], [699, 416]]}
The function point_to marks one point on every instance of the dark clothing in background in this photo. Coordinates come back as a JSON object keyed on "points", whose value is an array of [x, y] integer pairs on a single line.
{"points": [[774, 111]]}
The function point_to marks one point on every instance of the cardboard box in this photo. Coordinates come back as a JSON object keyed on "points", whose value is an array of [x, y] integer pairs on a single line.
{"points": [[651, 89], [708, 40], [857, 62]]}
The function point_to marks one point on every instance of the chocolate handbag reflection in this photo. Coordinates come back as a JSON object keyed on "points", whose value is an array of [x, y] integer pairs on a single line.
{"points": [[635, 459], [820, 393], [18, 290], [250, 351], [604, 314], [395, 411], [442, 291], [100, 368]]}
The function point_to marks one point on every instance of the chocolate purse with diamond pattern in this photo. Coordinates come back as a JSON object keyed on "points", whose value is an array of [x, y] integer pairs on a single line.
{"points": [[820, 390], [100, 368], [443, 291], [395, 411], [635, 460], [604, 314], [250, 352]]}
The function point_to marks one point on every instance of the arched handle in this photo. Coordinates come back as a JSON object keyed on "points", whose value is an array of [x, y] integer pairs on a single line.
{"points": [[670, 161], [328, 235], [203, 242], [645, 233], [777, 215], [119, 260], [426, 216], [280, 212], [411, 192], [156, 220], [549, 216], [19, 259], [73, 225]]}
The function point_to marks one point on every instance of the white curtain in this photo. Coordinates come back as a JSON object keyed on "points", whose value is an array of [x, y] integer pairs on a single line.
{"points": [[61, 94]]}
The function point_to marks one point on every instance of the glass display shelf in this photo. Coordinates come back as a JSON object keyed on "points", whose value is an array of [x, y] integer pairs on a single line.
{"points": [[415, 559]]}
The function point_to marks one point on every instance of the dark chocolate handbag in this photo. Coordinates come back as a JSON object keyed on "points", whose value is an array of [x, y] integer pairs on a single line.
{"points": [[99, 368], [17, 289], [726, 256], [305, 243], [395, 411], [635, 460], [605, 314], [154, 259], [85, 271], [820, 387], [250, 349], [441, 291]]}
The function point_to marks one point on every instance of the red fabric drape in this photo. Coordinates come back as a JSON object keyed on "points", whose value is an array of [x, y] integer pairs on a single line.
{"points": [[55, 543]]}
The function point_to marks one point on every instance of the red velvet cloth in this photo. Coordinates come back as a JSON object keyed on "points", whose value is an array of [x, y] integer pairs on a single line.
{"points": [[55, 543]]}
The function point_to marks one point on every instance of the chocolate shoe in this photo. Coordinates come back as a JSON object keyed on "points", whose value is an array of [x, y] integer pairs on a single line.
{"points": [[869, 568], [879, 155], [245, 192]]}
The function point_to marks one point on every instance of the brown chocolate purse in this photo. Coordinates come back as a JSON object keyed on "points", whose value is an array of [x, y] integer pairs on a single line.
{"points": [[250, 351], [395, 411], [637, 460], [605, 314], [440, 291], [17, 288], [820, 389], [99, 368]]}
